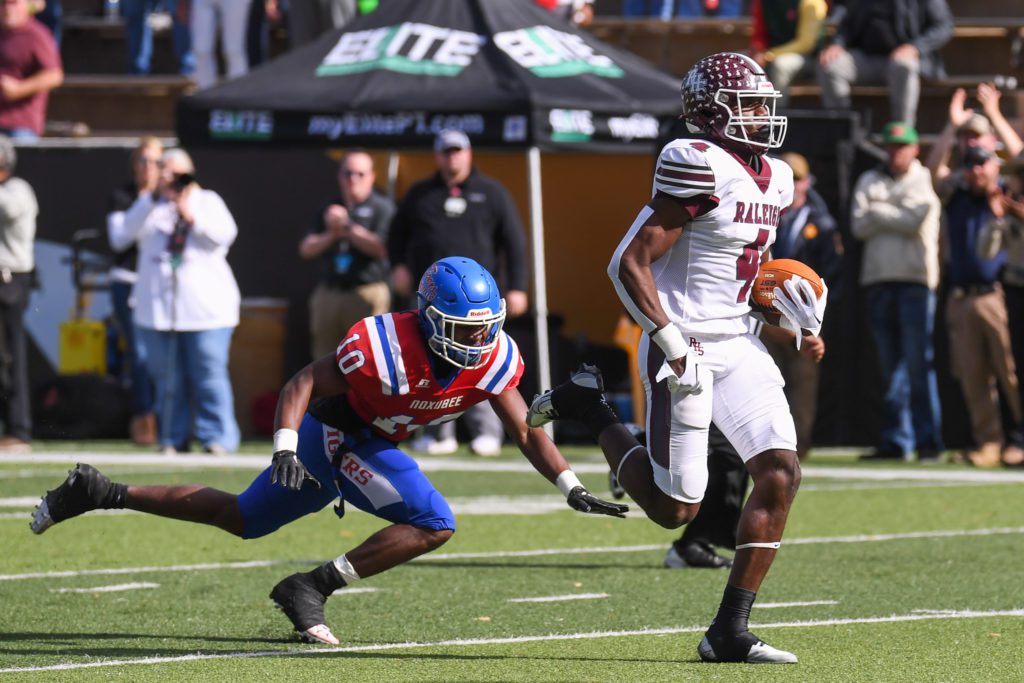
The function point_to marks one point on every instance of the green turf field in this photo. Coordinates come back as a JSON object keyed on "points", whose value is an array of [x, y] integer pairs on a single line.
{"points": [[899, 573]]}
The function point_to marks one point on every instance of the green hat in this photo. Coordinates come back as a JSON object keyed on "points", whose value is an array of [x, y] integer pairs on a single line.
{"points": [[899, 133]]}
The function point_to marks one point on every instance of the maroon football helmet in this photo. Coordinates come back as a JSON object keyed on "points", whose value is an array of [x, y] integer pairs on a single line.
{"points": [[728, 97]]}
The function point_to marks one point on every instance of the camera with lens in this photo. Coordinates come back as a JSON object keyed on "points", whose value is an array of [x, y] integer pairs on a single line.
{"points": [[180, 181]]}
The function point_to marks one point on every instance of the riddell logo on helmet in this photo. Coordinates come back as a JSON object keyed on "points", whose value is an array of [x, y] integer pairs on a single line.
{"points": [[480, 313]]}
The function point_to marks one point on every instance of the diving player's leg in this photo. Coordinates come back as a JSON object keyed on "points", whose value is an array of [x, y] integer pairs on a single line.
{"points": [[86, 488], [582, 398], [378, 478], [751, 410]]}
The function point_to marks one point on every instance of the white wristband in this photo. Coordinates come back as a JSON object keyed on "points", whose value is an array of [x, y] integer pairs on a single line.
{"points": [[286, 440], [671, 341], [567, 481]]}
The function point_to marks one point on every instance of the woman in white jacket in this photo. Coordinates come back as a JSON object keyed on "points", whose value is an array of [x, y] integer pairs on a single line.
{"points": [[187, 305]]}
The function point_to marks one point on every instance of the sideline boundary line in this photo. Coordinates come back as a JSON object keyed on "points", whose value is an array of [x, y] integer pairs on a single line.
{"points": [[917, 616], [251, 564]]}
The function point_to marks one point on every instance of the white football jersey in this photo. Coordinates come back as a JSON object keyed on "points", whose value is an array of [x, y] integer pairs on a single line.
{"points": [[704, 280]]}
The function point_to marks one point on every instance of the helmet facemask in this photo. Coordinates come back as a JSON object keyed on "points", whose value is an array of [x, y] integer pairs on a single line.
{"points": [[449, 334], [751, 118]]}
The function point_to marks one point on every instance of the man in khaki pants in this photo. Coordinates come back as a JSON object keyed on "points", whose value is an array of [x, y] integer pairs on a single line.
{"points": [[976, 309], [349, 237]]}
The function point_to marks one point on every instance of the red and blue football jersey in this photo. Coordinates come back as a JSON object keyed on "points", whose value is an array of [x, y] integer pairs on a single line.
{"points": [[394, 390]]}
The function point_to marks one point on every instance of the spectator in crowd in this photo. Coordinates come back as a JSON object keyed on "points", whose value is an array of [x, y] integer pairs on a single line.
{"points": [[577, 12], [1008, 233], [979, 335], [186, 305], [881, 41], [307, 19], [896, 214], [459, 210], [145, 163], [18, 211], [349, 238], [30, 68], [787, 34], [807, 232], [967, 128], [232, 17], [665, 9], [139, 34], [262, 14]]}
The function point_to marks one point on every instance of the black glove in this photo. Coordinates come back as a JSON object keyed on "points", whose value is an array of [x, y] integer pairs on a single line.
{"points": [[584, 501], [289, 472]]}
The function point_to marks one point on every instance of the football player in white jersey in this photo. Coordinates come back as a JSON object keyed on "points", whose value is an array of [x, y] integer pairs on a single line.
{"points": [[684, 271]]}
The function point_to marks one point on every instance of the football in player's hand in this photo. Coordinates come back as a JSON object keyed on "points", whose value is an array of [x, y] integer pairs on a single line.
{"points": [[771, 275]]}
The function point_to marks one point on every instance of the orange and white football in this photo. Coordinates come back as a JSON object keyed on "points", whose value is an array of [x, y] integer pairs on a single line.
{"points": [[771, 275]]}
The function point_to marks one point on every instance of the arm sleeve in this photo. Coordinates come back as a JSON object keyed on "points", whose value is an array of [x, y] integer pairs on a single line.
{"points": [[938, 28], [116, 231], [213, 221], [684, 172], [134, 222], [861, 225], [512, 241], [48, 54], [17, 199], [383, 220]]}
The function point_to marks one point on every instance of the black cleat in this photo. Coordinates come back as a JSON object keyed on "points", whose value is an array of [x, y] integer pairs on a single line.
{"points": [[570, 400], [698, 554], [303, 604], [85, 489], [743, 647]]}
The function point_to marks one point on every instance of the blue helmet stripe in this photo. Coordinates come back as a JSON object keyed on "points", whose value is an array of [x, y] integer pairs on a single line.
{"points": [[386, 348]]}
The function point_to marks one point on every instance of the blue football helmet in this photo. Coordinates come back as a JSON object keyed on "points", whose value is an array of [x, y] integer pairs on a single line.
{"points": [[457, 296]]}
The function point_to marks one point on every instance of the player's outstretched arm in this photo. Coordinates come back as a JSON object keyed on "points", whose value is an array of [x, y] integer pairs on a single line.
{"points": [[320, 378], [546, 458]]}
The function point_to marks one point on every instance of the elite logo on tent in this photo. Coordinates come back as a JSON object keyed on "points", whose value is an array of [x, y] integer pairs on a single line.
{"points": [[424, 49]]}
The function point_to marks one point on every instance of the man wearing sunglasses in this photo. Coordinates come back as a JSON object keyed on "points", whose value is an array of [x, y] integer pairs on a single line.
{"points": [[349, 238]]}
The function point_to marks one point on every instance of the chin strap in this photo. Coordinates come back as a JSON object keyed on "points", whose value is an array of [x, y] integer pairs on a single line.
{"points": [[772, 546]]}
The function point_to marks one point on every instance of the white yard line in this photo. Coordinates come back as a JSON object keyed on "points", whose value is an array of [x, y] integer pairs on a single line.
{"points": [[26, 514], [545, 503], [432, 464], [476, 642], [22, 502], [805, 603], [117, 587], [562, 598], [540, 552]]}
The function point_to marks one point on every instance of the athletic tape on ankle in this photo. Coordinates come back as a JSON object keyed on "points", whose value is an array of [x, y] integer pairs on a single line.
{"points": [[670, 340], [346, 570], [772, 546], [286, 440], [618, 470], [567, 481]]}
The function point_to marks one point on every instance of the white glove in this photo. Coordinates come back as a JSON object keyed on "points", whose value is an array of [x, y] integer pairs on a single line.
{"points": [[800, 308], [689, 383]]}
